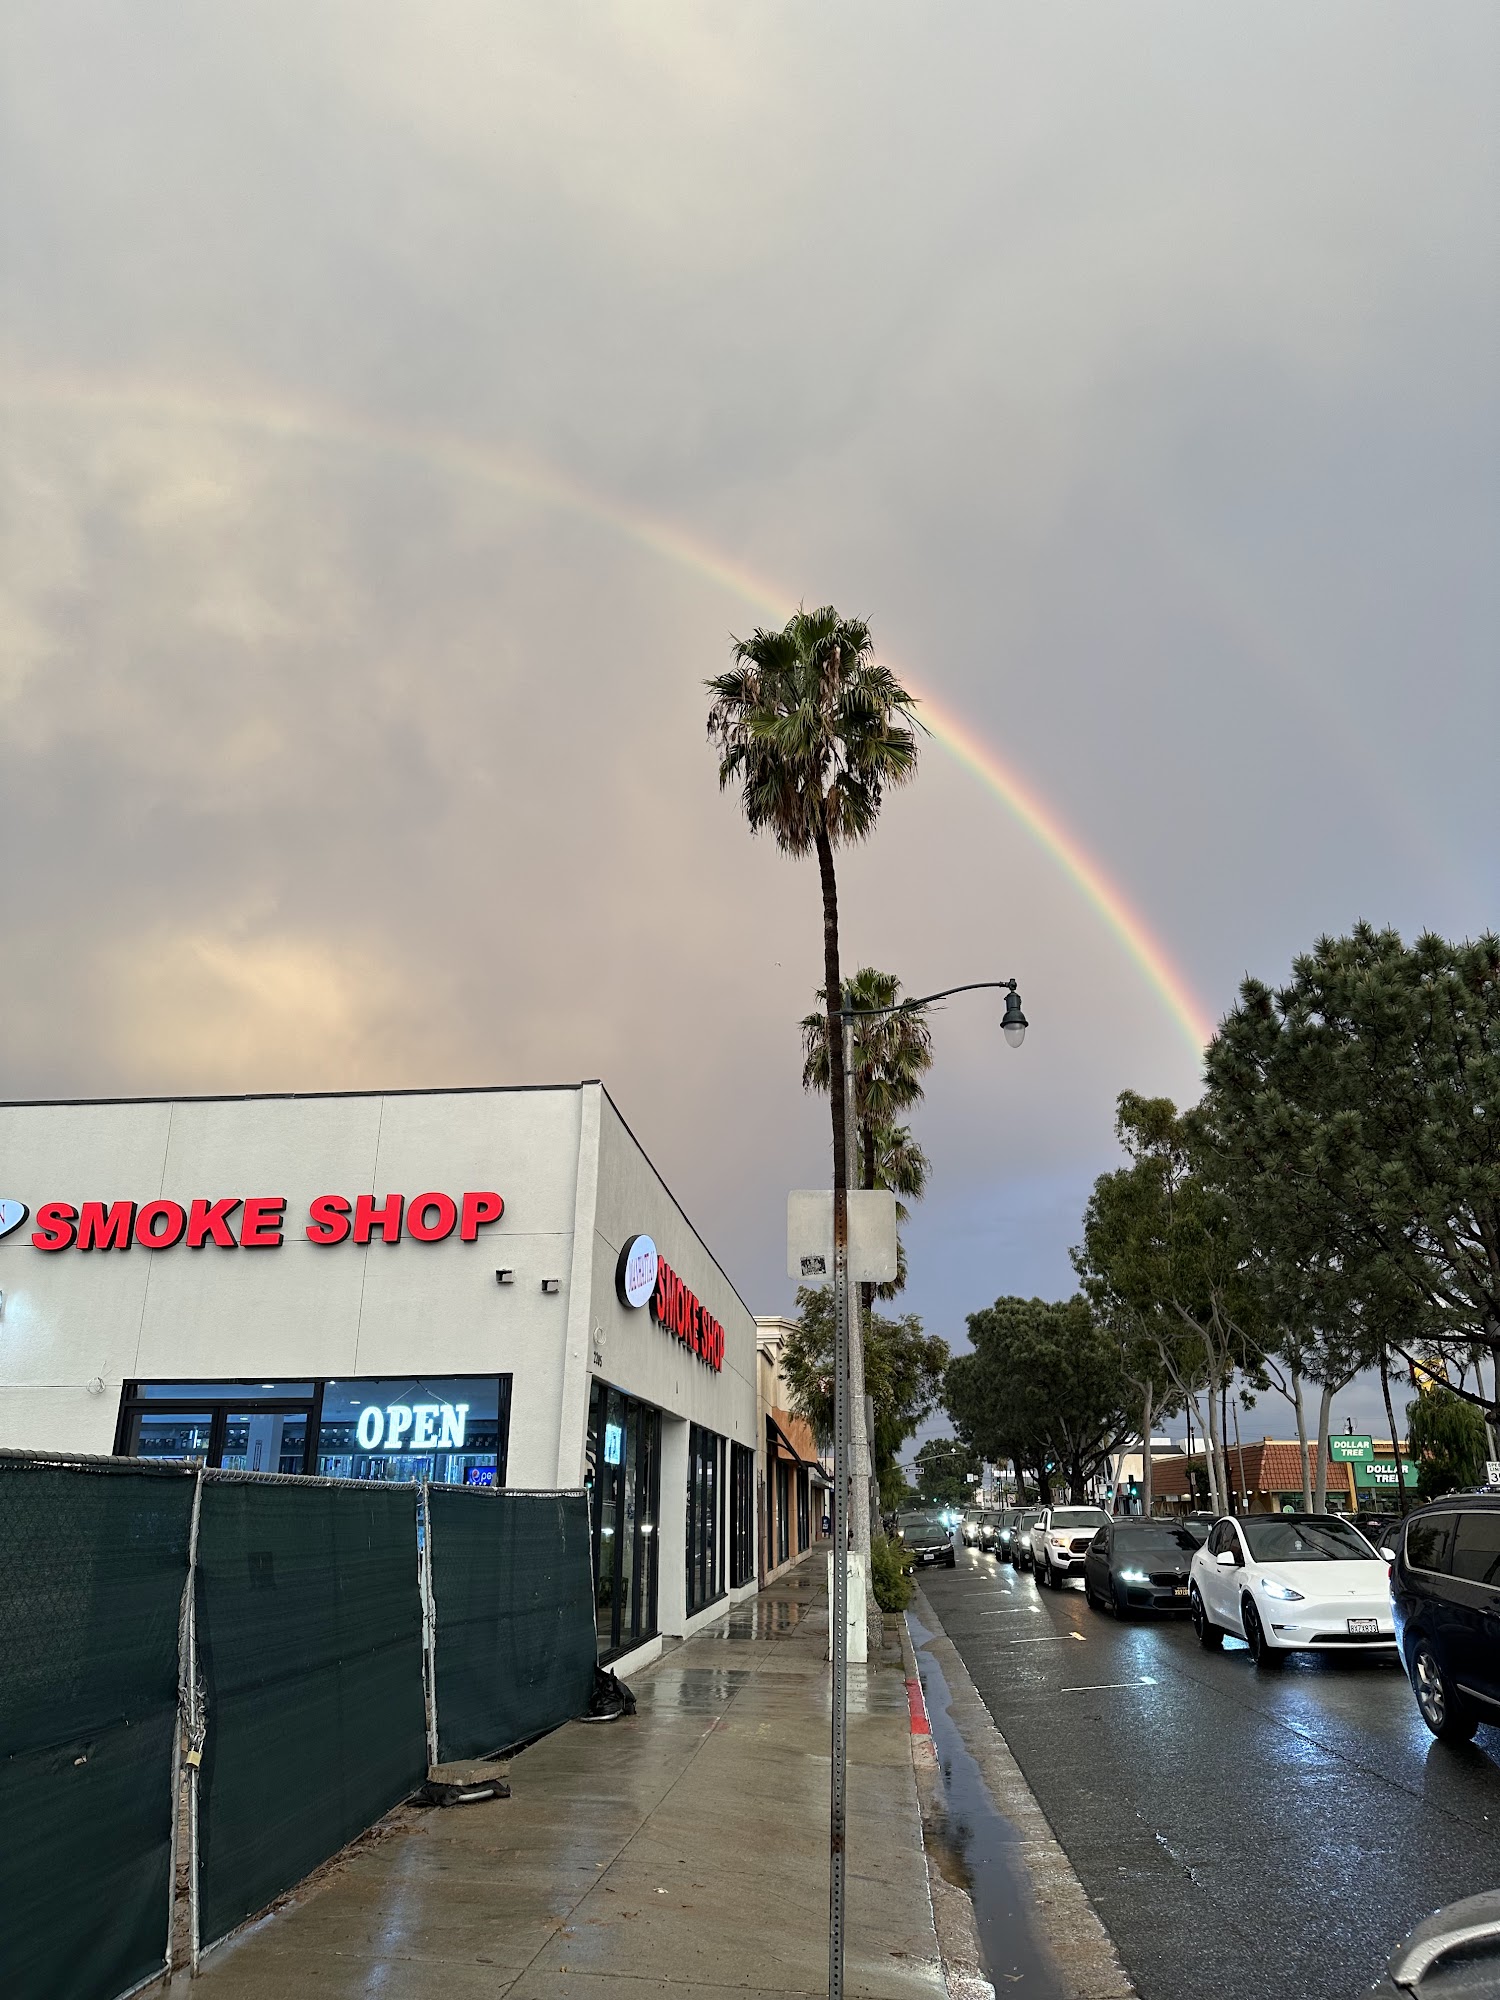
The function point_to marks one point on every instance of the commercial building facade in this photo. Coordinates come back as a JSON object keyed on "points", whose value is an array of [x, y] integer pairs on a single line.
{"points": [[1267, 1478], [796, 1495], [491, 1287]]}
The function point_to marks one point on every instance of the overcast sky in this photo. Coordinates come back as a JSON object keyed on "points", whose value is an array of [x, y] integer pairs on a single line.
{"points": [[403, 405]]}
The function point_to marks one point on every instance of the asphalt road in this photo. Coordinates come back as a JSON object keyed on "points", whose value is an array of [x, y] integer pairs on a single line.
{"points": [[1239, 1833]]}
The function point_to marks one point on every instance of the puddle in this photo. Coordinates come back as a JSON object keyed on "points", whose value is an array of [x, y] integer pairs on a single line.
{"points": [[977, 1849]]}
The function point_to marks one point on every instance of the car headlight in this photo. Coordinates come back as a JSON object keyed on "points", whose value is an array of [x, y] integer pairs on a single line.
{"points": [[1134, 1576], [1282, 1590]]}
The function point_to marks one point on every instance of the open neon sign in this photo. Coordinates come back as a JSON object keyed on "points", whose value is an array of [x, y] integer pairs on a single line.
{"points": [[412, 1427]]}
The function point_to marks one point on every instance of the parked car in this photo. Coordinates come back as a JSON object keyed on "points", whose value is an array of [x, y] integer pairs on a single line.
{"points": [[1379, 1530], [1005, 1530], [1288, 1583], [928, 1537], [1060, 1538], [1445, 1589], [1020, 1536], [973, 1527], [1451, 1954], [1136, 1564]]}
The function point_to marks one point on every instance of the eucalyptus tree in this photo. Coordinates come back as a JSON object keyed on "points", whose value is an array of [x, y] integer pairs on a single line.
{"points": [[1355, 1115], [1166, 1263], [1043, 1387], [814, 732]]}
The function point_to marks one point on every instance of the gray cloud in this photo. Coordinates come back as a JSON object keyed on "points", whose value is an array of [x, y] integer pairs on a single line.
{"points": [[1133, 371]]}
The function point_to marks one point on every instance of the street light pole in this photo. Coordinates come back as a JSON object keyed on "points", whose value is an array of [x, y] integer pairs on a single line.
{"points": [[1013, 1026]]}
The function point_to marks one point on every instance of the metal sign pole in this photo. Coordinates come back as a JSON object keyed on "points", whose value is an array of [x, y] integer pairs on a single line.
{"points": [[838, 1611]]}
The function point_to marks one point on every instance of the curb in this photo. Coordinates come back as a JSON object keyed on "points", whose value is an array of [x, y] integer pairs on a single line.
{"points": [[1087, 1963], [952, 1909]]}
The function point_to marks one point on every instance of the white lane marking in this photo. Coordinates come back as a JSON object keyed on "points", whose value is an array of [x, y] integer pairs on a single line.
{"points": [[1052, 1638], [1102, 1687]]}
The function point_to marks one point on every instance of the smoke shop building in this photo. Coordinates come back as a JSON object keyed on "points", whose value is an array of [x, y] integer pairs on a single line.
{"points": [[487, 1287]]}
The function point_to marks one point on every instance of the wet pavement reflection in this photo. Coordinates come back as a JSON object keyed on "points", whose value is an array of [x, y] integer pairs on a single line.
{"points": [[977, 1849], [1210, 1808]]}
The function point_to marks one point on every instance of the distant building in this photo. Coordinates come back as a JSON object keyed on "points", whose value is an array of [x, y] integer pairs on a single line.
{"points": [[795, 1493], [1267, 1478]]}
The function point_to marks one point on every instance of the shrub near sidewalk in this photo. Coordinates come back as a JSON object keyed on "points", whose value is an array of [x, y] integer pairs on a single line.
{"points": [[891, 1566]]}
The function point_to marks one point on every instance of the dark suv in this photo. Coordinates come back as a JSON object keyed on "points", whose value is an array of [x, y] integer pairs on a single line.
{"points": [[1445, 1587]]}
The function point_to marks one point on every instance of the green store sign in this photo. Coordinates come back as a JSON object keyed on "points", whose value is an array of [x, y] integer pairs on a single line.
{"points": [[1350, 1450], [1382, 1472]]}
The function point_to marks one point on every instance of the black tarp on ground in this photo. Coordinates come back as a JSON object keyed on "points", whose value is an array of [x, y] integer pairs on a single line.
{"points": [[310, 1642], [513, 1592], [92, 1568]]}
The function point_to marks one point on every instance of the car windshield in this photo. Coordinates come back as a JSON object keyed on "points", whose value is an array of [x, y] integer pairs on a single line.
{"points": [[913, 1524], [1079, 1517], [1030, 1518], [1285, 1540], [1154, 1538]]}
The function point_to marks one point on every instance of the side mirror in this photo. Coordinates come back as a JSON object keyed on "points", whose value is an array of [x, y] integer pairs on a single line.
{"points": [[1225, 1559], [1388, 1555]]}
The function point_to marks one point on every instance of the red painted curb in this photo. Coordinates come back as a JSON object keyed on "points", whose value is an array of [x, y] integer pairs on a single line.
{"points": [[920, 1726]]}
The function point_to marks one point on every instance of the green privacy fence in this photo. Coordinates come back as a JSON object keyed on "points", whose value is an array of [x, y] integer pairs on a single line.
{"points": [[309, 1643], [513, 1605], [93, 1564], [306, 1643]]}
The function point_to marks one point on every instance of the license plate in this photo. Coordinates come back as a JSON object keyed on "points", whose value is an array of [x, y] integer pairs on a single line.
{"points": [[1181, 1590], [1361, 1626]]}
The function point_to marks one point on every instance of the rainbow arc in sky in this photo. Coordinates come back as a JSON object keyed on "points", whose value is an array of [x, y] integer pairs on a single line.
{"points": [[264, 414]]}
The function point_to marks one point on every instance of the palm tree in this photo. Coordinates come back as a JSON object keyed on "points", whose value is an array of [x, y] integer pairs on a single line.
{"points": [[813, 729], [892, 1053]]}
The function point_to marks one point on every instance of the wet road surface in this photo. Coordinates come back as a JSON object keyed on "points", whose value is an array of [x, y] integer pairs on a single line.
{"points": [[1250, 1834]]}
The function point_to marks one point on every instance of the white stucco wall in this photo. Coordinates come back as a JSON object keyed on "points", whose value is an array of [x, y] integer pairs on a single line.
{"points": [[576, 1184], [300, 1310]]}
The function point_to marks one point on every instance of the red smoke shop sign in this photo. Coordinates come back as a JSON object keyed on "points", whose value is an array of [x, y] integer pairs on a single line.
{"points": [[643, 1274], [254, 1221]]}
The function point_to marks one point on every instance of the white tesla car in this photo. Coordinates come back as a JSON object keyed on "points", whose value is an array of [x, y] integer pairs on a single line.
{"points": [[1288, 1583]]}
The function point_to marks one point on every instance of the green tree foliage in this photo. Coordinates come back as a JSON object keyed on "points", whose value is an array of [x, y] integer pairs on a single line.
{"points": [[1044, 1387], [814, 731], [1446, 1435], [903, 1376], [1165, 1263], [1355, 1115], [891, 1566], [947, 1472]]}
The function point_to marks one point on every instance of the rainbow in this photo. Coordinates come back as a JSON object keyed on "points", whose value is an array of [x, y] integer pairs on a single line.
{"points": [[251, 409]]}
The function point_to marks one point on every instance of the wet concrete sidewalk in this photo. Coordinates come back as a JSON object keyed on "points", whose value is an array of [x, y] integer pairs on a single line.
{"points": [[680, 1852]]}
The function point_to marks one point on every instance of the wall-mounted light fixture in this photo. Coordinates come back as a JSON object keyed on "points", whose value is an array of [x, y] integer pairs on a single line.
{"points": [[96, 1385], [551, 1284], [505, 1277]]}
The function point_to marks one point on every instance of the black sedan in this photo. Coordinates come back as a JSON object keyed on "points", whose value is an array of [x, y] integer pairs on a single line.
{"points": [[1140, 1565], [928, 1537]]}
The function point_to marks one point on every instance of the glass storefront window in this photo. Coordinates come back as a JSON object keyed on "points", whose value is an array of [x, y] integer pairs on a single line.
{"points": [[705, 1516], [624, 1449], [175, 1434], [453, 1429], [265, 1442]]}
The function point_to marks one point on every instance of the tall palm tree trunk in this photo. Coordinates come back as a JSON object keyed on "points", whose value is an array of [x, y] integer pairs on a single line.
{"points": [[838, 1085], [1390, 1417]]}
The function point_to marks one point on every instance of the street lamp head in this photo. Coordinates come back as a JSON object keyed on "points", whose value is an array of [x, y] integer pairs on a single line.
{"points": [[1013, 1025]]}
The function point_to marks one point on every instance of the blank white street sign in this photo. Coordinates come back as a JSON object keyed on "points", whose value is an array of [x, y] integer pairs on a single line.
{"points": [[872, 1235]]}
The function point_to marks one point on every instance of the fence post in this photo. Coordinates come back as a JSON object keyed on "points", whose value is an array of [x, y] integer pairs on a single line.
{"points": [[429, 1620], [190, 1701]]}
